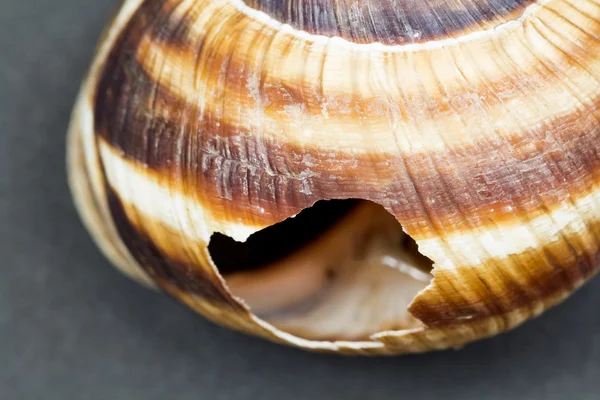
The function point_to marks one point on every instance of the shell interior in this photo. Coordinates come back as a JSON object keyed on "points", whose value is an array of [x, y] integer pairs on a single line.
{"points": [[340, 270]]}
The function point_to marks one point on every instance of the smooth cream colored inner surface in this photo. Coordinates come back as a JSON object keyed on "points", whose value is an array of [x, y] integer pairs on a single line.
{"points": [[340, 270]]}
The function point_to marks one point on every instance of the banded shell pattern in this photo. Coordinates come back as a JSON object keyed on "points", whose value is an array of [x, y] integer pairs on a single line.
{"points": [[473, 122]]}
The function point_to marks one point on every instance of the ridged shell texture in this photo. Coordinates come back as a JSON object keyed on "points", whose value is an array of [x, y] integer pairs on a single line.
{"points": [[473, 122]]}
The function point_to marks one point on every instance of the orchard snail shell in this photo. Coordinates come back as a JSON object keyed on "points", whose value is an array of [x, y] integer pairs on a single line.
{"points": [[440, 160]]}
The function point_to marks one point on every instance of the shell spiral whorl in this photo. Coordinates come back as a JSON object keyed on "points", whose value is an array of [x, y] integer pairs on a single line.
{"points": [[473, 122], [391, 21]]}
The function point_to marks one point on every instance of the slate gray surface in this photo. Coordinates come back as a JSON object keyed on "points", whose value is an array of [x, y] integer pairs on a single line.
{"points": [[73, 328]]}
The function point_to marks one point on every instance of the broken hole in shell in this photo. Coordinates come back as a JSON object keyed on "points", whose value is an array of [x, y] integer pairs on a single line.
{"points": [[339, 270]]}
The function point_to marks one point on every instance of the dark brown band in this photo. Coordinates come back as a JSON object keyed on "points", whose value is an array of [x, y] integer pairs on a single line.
{"points": [[390, 21], [455, 188], [503, 295], [160, 267]]}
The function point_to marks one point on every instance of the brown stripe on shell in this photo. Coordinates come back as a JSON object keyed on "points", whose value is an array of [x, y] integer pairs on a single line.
{"points": [[496, 287], [185, 276], [164, 132], [562, 156], [266, 67], [492, 109], [238, 173], [391, 21], [446, 302], [461, 333]]}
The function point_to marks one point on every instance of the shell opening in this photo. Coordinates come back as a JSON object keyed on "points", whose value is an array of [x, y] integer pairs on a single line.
{"points": [[339, 270]]}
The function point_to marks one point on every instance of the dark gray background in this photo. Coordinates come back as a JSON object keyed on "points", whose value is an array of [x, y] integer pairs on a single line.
{"points": [[71, 327]]}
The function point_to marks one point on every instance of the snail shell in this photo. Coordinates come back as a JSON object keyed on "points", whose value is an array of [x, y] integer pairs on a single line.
{"points": [[467, 126]]}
